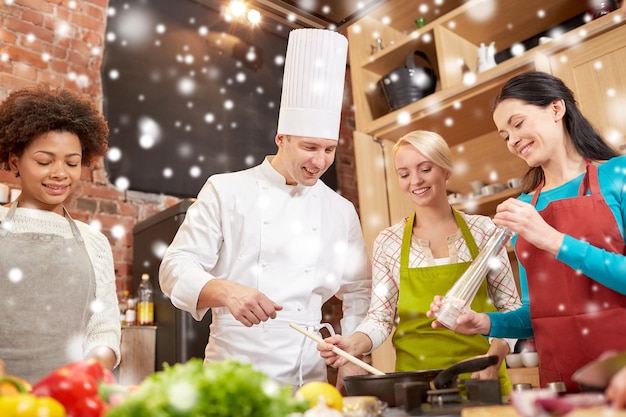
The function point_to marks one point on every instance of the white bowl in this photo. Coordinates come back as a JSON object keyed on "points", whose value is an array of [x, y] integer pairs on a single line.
{"points": [[530, 359], [514, 360]]}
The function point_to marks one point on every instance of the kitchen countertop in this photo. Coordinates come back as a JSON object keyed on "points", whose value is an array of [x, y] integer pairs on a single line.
{"points": [[509, 411]]}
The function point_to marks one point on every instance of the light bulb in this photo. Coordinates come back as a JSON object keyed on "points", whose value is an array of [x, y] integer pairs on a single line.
{"points": [[237, 8], [254, 16]]}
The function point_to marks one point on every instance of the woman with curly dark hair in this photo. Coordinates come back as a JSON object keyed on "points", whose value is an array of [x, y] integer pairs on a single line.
{"points": [[59, 302]]}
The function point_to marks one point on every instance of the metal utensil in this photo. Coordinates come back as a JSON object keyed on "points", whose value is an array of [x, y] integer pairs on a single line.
{"points": [[465, 288], [338, 351]]}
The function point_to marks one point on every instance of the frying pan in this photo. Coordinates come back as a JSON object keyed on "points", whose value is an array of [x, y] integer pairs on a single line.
{"points": [[383, 386]]}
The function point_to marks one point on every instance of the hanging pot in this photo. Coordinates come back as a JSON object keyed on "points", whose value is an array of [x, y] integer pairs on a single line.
{"points": [[408, 83], [383, 386]]}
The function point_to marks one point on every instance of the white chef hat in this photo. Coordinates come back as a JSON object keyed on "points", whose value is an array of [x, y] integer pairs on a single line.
{"points": [[313, 80]]}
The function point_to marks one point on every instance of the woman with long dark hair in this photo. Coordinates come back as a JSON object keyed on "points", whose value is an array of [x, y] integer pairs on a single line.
{"points": [[569, 222]]}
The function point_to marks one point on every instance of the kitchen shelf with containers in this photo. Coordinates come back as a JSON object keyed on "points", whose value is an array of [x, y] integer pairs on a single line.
{"points": [[457, 109], [522, 368], [486, 204]]}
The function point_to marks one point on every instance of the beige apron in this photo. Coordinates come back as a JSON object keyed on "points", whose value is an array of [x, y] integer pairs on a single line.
{"points": [[418, 345], [47, 287]]}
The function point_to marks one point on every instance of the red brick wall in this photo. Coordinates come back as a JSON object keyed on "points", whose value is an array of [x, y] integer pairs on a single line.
{"points": [[33, 51], [345, 161]]}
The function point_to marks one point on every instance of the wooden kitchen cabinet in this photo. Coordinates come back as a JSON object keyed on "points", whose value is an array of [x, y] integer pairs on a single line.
{"points": [[451, 40], [524, 376], [595, 70], [461, 113], [509, 411], [590, 59]]}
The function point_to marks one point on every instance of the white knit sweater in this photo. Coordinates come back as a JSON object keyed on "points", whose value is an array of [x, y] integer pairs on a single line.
{"points": [[103, 328]]}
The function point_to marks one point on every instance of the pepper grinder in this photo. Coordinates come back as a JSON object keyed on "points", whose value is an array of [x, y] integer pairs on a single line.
{"points": [[462, 293]]}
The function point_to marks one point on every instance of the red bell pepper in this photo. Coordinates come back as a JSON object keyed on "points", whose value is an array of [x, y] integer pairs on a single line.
{"points": [[76, 387]]}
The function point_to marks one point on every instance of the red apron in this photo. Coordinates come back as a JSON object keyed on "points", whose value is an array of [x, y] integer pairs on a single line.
{"points": [[574, 318]]}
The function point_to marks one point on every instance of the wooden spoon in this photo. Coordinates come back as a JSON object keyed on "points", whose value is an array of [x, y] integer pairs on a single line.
{"points": [[338, 351]]}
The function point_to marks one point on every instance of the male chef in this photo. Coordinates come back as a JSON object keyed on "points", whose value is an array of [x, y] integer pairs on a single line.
{"points": [[267, 246]]}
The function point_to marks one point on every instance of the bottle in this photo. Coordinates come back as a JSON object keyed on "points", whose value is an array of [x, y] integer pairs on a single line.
{"points": [[145, 307], [462, 293], [131, 312], [378, 47], [122, 300]]}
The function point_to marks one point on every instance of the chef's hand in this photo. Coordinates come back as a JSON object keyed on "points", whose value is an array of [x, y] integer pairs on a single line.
{"points": [[524, 220], [468, 322], [616, 391], [248, 305]]}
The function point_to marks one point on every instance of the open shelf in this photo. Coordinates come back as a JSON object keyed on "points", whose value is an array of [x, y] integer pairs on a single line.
{"points": [[505, 22], [487, 204], [589, 57], [437, 111], [445, 111]]}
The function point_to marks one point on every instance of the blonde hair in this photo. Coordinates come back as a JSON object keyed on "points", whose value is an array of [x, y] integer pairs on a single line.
{"points": [[429, 144]]}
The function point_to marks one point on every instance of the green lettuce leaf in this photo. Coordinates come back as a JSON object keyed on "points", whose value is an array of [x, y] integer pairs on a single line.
{"points": [[220, 389]]}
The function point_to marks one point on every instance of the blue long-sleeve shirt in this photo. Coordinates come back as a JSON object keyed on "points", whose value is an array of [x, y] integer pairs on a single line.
{"points": [[606, 268]]}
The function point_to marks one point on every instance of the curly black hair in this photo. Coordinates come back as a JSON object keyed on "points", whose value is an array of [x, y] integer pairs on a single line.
{"points": [[28, 113]]}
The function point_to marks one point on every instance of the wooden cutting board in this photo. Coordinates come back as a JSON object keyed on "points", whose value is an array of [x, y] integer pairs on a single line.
{"points": [[509, 411]]}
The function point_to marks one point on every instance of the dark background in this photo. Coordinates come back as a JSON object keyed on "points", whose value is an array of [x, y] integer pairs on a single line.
{"points": [[194, 134]]}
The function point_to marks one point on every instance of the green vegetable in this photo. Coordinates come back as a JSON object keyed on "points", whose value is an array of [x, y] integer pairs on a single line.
{"points": [[219, 389]]}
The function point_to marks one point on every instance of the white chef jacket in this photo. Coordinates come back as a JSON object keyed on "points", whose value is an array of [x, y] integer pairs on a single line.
{"points": [[298, 245]]}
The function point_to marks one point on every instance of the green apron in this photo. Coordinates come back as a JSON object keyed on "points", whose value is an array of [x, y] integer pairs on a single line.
{"points": [[419, 346]]}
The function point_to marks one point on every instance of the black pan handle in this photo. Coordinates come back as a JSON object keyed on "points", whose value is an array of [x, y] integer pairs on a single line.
{"points": [[446, 377]]}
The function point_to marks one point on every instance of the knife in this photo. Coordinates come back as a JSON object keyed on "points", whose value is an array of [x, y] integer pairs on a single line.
{"points": [[598, 373]]}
